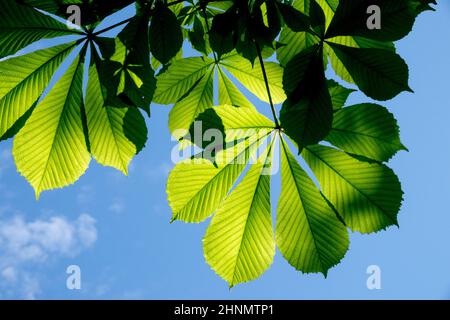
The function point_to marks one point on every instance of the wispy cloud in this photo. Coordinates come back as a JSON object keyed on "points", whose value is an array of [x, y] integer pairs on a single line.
{"points": [[117, 207], [160, 171], [33, 243]]}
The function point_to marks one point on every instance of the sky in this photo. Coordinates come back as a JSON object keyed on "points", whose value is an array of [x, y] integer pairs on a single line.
{"points": [[117, 230]]}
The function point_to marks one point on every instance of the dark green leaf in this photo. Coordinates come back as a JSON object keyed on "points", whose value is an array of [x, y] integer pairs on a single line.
{"points": [[307, 115], [166, 37], [380, 74], [294, 19], [353, 16]]}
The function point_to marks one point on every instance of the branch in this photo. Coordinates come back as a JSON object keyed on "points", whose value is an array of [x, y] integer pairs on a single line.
{"points": [[266, 81]]}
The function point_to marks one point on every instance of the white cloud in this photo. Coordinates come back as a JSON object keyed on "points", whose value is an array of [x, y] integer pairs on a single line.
{"points": [[24, 243]]}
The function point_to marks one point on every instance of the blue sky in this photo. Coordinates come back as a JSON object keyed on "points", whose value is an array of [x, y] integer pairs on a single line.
{"points": [[117, 228]]}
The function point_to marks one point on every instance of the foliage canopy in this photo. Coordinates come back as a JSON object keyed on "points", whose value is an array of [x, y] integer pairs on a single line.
{"points": [[280, 52]]}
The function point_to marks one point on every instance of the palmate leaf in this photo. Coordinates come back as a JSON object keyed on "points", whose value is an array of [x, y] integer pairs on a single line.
{"points": [[21, 25], [239, 243], [310, 232], [373, 60], [189, 84], [59, 129], [309, 235], [50, 151], [196, 187]]}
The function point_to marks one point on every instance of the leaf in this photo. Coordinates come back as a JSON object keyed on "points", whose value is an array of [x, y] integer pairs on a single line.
{"points": [[186, 110], [235, 123], [366, 195], [222, 36], [239, 243], [367, 130], [291, 42], [20, 26], [127, 74], [197, 187], [329, 7], [339, 94], [50, 151], [198, 37], [294, 19], [252, 77], [307, 115], [351, 19], [380, 74], [23, 79], [317, 17], [166, 37], [180, 78], [229, 93], [309, 235], [116, 135]]}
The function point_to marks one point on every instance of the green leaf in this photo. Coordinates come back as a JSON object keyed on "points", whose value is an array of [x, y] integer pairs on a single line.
{"points": [[317, 17], [367, 130], [229, 93], [127, 74], [23, 79], [351, 18], [186, 110], [235, 123], [116, 135], [252, 77], [50, 151], [339, 94], [239, 243], [294, 19], [197, 187], [307, 115], [198, 37], [366, 195], [166, 38], [309, 235], [179, 79], [222, 33], [380, 74], [329, 7], [291, 42], [354, 42], [21, 25]]}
